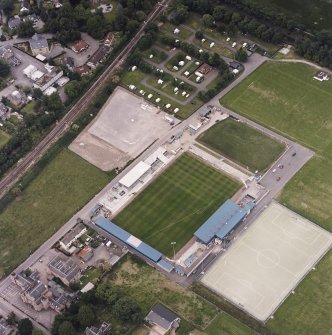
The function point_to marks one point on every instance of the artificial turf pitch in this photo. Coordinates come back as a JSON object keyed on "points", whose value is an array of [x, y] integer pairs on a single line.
{"points": [[176, 204], [242, 144]]}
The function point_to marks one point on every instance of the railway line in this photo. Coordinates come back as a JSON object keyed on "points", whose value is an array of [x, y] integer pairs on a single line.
{"points": [[25, 163]]}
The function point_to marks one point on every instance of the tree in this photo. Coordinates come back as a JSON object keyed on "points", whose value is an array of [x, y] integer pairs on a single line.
{"points": [[126, 309], [25, 29], [37, 332], [145, 42], [66, 328], [7, 6], [199, 34], [208, 20], [25, 327], [4, 69], [241, 55], [73, 89], [86, 316], [109, 294], [11, 318]]}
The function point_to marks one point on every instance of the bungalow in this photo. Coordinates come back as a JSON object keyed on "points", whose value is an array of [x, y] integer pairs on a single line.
{"points": [[79, 46], [162, 320]]}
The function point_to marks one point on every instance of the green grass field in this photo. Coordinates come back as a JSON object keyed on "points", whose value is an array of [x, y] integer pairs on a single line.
{"points": [[309, 310], [62, 188], [224, 324], [4, 138], [148, 286], [242, 144], [176, 204], [286, 98]]}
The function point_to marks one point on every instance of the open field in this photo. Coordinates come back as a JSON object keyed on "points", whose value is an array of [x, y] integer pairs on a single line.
{"points": [[296, 105], [309, 310], [147, 286], [176, 204], [218, 48], [316, 14], [224, 324], [242, 144], [169, 28], [62, 188], [4, 138], [268, 261]]}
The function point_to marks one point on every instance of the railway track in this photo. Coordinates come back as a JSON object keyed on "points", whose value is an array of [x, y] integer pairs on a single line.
{"points": [[25, 163]]}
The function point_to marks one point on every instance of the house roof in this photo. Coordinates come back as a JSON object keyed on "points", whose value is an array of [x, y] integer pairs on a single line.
{"points": [[86, 253], [80, 45], [162, 316], [64, 267], [14, 22], [38, 41], [205, 68], [82, 70], [234, 65], [72, 233], [99, 55]]}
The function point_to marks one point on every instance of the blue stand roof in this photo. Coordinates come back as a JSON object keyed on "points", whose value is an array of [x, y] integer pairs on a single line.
{"points": [[223, 220]]}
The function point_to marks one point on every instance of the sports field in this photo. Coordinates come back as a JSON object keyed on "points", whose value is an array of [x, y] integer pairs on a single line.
{"points": [[268, 261], [63, 187], [286, 98], [176, 204], [242, 144]]}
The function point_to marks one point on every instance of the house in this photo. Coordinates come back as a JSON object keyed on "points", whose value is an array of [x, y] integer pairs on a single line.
{"points": [[85, 254], [99, 56], [64, 268], [17, 98], [4, 112], [68, 62], [161, 319], [7, 54], [80, 46], [59, 298], [34, 291], [82, 70], [109, 39], [102, 330], [5, 328], [73, 235], [13, 22], [48, 79], [204, 69], [25, 7], [39, 45]]}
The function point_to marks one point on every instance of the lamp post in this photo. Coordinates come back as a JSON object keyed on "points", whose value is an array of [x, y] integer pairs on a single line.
{"points": [[173, 244]]}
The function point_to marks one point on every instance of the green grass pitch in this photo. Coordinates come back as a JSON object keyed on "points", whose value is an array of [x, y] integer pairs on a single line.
{"points": [[59, 191], [242, 144], [176, 204], [286, 98]]}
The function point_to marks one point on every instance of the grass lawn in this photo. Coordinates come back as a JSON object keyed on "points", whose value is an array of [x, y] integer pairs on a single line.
{"points": [[158, 55], [218, 48], [169, 28], [242, 144], [148, 286], [4, 138], [61, 188], [224, 324], [110, 16], [296, 105], [137, 76], [29, 108], [175, 205], [174, 61], [309, 310], [192, 67], [90, 275]]}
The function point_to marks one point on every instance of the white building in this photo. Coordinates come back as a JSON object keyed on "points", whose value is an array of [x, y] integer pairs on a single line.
{"points": [[48, 79], [133, 176], [72, 236]]}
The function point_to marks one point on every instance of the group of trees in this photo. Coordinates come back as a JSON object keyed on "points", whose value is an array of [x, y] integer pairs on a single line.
{"points": [[82, 313]]}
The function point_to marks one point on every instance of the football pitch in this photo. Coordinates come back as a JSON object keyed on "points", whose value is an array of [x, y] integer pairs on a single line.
{"points": [[242, 144], [176, 204], [286, 98]]}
